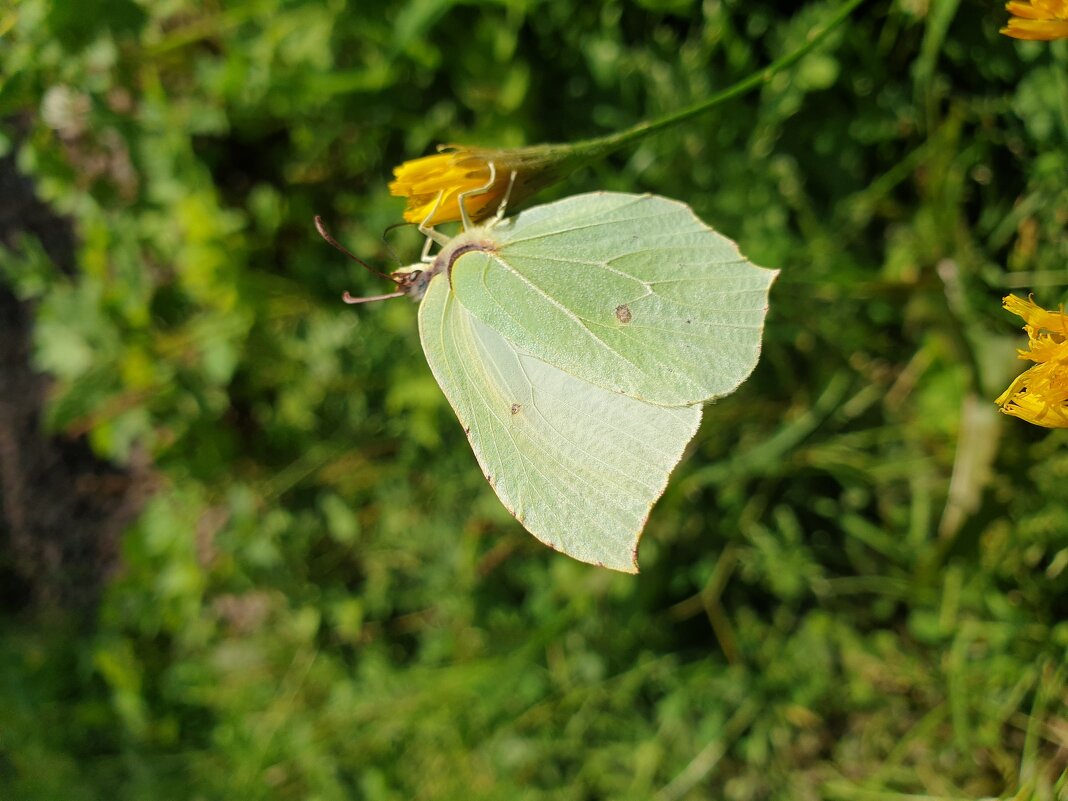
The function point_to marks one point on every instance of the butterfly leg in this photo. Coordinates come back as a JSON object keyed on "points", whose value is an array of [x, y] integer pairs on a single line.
{"points": [[428, 231], [504, 203], [426, 258], [480, 191]]}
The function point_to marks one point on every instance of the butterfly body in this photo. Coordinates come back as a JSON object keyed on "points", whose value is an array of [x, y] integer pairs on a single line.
{"points": [[413, 280]]}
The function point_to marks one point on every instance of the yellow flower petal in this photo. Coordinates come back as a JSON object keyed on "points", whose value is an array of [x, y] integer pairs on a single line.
{"points": [[1036, 30], [1040, 395], [1041, 20], [1026, 10], [1035, 316], [1053, 9]]}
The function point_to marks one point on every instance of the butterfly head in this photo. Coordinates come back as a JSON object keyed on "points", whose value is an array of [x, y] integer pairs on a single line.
{"points": [[412, 281]]}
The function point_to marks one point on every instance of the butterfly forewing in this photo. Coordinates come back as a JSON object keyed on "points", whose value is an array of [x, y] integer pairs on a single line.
{"points": [[580, 466], [632, 293]]}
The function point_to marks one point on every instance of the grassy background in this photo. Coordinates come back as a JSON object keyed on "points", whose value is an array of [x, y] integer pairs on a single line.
{"points": [[856, 586]]}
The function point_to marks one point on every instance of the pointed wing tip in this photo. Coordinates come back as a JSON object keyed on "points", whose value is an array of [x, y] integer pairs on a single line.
{"points": [[631, 568], [628, 569]]}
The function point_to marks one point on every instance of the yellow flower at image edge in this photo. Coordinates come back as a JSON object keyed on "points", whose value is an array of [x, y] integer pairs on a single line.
{"points": [[1040, 395], [1037, 19]]}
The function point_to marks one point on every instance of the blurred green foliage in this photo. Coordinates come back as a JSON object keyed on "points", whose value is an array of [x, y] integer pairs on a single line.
{"points": [[856, 586]]}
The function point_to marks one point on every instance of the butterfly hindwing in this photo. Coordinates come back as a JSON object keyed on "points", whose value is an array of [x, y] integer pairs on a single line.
{"points": [[578, 465]]}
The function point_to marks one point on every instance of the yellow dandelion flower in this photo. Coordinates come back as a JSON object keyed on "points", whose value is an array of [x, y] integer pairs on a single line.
{"points": [[448, 174], [457, 169], [1037, 19], [1040, 395]]}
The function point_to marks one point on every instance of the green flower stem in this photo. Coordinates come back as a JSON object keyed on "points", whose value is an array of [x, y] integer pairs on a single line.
{"points": [[535, 167], [603, 145]]}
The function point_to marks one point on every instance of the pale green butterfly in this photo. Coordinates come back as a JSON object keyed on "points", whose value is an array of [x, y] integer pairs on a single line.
{"points": [[576, 342]]}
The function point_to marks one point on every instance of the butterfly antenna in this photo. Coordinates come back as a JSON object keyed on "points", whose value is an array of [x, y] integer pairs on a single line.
{"points": [[347, 298], [321, 228]]}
